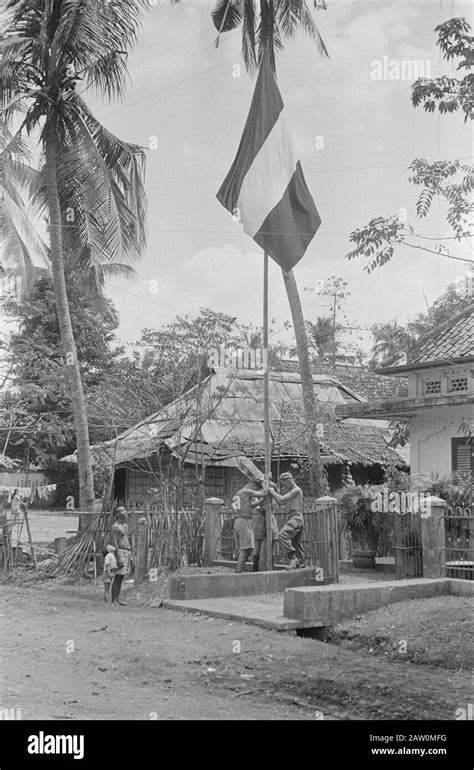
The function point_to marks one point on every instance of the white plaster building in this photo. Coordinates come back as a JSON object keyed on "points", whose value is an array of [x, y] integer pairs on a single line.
{"points": [[439, 405]]}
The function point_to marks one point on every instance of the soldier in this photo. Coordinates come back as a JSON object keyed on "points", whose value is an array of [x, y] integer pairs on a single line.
{"points": [[243, 529], [291, 534]]}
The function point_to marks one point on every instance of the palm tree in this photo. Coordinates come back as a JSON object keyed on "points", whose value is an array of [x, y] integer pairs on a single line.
{"points": [[391, 342], [264, 24], [321, 336], [91, 181]]}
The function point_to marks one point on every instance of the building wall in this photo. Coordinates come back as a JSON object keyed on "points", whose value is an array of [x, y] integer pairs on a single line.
{"points": [[444, 380], [431, 432]]}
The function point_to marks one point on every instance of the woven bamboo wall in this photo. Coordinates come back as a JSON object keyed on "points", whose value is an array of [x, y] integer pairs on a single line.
{"points": [[162, 472]]}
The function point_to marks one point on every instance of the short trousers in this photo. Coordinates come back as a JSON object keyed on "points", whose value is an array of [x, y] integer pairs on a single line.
{"points": [[123, 555], [243, 531]]}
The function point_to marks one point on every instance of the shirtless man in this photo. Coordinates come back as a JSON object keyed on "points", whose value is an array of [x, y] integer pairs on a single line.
{"points": [[291, 534], [119, 538], [242, 503]]}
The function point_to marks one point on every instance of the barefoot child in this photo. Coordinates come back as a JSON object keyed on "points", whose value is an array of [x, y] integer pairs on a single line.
{"points": [[110, 568]]}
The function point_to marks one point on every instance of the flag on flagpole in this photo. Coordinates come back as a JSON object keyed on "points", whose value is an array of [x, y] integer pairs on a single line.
{"points": [[265, 188]]}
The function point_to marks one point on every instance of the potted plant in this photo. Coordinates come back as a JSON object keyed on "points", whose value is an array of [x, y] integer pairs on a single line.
{"points": [[363, 524]]}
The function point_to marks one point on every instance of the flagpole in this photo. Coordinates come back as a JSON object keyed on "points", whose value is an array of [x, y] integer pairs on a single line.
{"points": [[266, 414]]}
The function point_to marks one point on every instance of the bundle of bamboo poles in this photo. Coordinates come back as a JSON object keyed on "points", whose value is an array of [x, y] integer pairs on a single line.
{"points": [[176, 538], [77, 557]]}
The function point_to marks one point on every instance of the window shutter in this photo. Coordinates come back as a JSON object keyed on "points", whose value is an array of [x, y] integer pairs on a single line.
{"points": [[462, 456]]}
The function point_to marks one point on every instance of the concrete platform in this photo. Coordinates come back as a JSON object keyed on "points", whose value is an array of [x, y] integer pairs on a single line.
{"points": [[323, 606], [328, 605], [217, 585], [258, 613]]}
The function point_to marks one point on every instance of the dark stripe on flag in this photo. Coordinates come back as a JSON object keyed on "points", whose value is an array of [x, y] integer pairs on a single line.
{"points": [[291, 225], [264, 111]]}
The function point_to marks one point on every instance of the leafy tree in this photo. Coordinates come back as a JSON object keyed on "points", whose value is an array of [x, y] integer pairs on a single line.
{"points": [[167, 361], [449, 94], [452, 301], [38, 407], [333, 290], [91, 182], [451, 181], [391, 341]]}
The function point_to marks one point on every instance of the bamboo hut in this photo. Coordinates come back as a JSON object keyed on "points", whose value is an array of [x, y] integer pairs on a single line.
{"points": [[204, 443]]}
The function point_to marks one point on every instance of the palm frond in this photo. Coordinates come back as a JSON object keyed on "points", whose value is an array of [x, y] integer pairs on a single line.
{"points": [[117, 269], [20, 245], [295, 14], [309, 26], [227, 15], [248, 35], [100, 181], [93, 37]]}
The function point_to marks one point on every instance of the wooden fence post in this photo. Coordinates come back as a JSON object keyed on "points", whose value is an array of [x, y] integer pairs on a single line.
{"points": [[141, 563], [212, 529]]}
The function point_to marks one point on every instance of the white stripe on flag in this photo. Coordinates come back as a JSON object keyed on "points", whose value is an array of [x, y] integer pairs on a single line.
{"points": [[267, 178]]}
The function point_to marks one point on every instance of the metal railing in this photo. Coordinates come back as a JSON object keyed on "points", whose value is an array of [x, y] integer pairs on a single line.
{"points": [[408, 546], [459, 545]]}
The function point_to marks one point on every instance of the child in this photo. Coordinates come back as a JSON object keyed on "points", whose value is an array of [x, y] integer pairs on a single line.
{"points": [[110, 568]]}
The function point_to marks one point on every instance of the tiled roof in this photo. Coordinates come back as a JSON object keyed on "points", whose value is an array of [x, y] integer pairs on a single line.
{"points": [[453, 339]]}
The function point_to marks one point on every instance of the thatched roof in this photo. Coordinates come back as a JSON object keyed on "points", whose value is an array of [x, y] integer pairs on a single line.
{"points": [[223, 419]]}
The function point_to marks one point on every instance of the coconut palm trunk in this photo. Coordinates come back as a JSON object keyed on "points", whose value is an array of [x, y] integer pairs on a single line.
{"points": [[309, 401], [87, 170], [84, 458]]}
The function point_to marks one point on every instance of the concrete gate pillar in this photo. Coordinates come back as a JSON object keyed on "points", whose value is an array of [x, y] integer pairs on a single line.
{"points": [[212, 529], [433, 537]]}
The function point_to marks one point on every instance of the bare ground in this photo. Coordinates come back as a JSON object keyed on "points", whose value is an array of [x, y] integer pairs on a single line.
{"points": [[66, 655], [434, 632]]}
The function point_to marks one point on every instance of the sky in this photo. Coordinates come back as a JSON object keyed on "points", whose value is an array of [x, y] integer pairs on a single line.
{"points": [[187, 103]]}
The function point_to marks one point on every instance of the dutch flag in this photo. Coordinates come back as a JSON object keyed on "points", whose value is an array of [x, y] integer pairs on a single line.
{"points": [[265, 188]]}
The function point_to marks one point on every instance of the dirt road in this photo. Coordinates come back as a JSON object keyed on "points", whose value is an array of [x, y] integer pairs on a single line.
{"points": [[66, 655]]}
